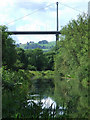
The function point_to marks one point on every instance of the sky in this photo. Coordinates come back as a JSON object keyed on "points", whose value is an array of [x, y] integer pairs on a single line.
{"points": [[38, 15]]}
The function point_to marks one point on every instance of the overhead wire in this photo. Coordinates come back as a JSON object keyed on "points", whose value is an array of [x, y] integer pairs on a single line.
{"points": [[40, 9], [70, 7], [29, 14]]}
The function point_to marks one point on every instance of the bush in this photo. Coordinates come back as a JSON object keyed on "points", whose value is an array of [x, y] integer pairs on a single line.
{"points": [[30, 67]]}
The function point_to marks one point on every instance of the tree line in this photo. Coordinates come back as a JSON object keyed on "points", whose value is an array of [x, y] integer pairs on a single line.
{"points": [[72, 68], [17, 58], [68, 61]]}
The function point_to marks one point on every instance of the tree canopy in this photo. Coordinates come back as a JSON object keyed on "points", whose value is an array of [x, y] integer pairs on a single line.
{"points": [[8, 48], [61, 73], [71, 67]]}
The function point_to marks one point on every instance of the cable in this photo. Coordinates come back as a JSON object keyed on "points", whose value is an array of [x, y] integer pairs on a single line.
{"points": [[70, 7], [28, 14], [40, 9]]}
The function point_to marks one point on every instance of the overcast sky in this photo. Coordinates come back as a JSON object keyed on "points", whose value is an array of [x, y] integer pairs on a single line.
{"points": [[38, 15]]}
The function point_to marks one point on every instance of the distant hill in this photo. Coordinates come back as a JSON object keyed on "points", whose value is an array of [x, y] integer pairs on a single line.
{"points": [[44, 44]]}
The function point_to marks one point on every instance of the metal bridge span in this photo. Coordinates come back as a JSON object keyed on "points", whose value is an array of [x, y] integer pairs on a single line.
{"points": [[33, 32]]}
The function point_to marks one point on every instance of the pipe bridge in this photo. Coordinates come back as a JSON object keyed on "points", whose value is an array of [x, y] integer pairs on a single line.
{"points": [[33, 32]]}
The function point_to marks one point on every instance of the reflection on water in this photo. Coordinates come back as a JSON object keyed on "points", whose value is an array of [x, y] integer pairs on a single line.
{"points": [[47, 102], [42, 89]]}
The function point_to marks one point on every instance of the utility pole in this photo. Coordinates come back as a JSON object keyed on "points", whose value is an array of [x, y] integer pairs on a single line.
{"points": [[88, 30], [0, 74], [89, 23], [88, 42], [89, 9], [57, 35]]}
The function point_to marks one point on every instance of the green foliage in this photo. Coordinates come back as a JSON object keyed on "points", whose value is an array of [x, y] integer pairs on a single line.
{"points": [[8, 49], [17, 86], [43, 82], [70, 87], [49, 60], [71, 68], [22, 60], [31, 67], [15, 92], [36, 59]]}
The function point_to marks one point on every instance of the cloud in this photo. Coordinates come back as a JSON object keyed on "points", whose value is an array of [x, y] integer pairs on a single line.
{"points": [[27, 27], [37, 26], [42, 7], [30, 5], [6, 9], [4, 3], [27, 38], [3, 18], [44, 19], [73, 1]]}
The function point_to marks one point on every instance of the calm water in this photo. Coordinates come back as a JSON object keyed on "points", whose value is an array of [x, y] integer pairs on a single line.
{"points": [[42, 91], [47, 102]]}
